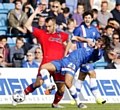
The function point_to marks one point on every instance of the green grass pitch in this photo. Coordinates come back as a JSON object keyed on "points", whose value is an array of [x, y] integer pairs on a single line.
{"points": [[67, 107]]}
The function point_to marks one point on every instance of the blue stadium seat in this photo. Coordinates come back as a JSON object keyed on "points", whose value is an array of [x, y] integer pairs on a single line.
{"points": [[100, 64], [3, 19], [3, 11], [72, 4], [10, 41], [9, 6], [2, 32], [1, 6]]}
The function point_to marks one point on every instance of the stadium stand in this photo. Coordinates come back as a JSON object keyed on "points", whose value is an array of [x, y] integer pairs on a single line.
{"points": [[72, 4], [9, 6]]}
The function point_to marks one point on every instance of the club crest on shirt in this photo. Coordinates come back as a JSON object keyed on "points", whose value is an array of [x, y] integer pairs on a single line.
{"points": [[58, 40], [93, 33]]}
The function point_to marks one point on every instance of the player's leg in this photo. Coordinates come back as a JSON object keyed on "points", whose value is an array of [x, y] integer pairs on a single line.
{"points": [[31, 88], [43, 76], [79, 82], [72, 90], [58, 95], [94, 87]]}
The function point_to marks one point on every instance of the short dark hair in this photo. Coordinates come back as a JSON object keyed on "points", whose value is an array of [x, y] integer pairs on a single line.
{"points": [[2, 37], [94, 11], [115, 33], [18, 1], [108, 26], [50, 18], [66, 10], [81, 4], [88, 12], [110, 19]]}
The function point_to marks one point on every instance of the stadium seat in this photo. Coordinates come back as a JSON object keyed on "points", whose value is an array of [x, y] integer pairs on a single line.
{"points": [[3, 11], [3, 19], [100, 64], [2, 32], [72, 4], [1, 6], [10, 41], [9, 6]]}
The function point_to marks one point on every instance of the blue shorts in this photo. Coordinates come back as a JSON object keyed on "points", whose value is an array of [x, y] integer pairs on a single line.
{"points": [[87, 68], [64, 67]]}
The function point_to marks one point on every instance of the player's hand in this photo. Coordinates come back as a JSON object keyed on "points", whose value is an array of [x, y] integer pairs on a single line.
{"points": [[38, 9], [91, 44]]}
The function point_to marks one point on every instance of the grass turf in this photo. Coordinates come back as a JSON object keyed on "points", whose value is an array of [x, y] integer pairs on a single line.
{"points": [[67, 107]]}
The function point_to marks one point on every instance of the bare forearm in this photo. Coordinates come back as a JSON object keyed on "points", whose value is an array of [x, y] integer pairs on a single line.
{"points": [[79, 39], [30, 20], [67, 48]]}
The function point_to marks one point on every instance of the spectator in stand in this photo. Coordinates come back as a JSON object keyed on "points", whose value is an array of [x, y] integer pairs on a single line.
{"points": [[109, 31], [103, 15], [71, 27], [95, 22], [115, 41], [38, 56], [116, 11], [115, 64], [17, 19], [1, 61], [44, 11], [112, 22], [29, 63], [28, 9], [56, 13], [87, 4], [78, 15], [41, 23], [16, 49], [66, 13], [4, 50]]}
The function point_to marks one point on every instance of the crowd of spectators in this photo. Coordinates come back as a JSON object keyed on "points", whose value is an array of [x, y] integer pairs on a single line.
{"points": [[30, 54]]}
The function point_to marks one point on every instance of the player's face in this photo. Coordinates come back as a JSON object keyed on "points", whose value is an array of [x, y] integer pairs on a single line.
{"points": [[88, 19], [100, 44], [50, 26]]}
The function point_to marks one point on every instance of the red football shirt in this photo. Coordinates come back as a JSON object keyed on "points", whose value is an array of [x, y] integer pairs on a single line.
{"points": [[52, 44]]}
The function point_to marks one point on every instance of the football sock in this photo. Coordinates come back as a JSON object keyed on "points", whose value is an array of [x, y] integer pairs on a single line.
{"points": [[94, 88], [73, 93], [29, 89], [78, 85], [57, 97], [45, 76]]}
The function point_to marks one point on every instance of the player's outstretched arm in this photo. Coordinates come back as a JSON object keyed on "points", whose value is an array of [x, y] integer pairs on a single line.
{"points": [[67, 48], [28, 24], [81, 39]]}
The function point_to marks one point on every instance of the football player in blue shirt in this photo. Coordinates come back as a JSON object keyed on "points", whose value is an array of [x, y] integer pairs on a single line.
{"points": [[69, 65], [86, 30]]}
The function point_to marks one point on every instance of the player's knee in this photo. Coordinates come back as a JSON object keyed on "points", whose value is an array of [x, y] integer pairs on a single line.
{"points": [[68, 84], [44, 72], [92, 74]]}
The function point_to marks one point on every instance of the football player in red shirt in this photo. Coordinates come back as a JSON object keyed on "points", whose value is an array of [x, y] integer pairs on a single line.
{"points": [[52, 48]]}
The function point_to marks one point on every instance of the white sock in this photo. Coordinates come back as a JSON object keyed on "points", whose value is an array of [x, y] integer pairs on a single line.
{"points": [[94, 88], [78, 85], [45, 76], [73, 93]]}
